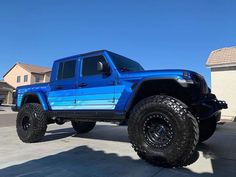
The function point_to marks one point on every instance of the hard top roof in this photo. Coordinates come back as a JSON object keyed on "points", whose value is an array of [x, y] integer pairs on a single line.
{"points": [[83, 54]]}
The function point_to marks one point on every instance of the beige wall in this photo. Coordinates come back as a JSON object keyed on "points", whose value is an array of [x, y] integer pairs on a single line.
{"points": [[43, 78], [47, 77], [33, 79], [9, 98], [11, 77], [223, 84]]}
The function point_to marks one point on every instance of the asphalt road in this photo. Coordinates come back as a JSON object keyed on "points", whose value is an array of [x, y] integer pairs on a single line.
{"points": [[7, 120]]}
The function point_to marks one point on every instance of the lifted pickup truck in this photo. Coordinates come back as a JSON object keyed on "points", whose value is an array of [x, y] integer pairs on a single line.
{"points": [[168, 111]]}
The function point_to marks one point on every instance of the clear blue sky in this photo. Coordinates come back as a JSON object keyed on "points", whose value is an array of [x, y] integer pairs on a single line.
{"points": [[158, 33]]}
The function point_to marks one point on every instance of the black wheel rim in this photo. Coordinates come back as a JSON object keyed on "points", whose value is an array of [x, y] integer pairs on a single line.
{"points": [[26, 123], [158, 130]]}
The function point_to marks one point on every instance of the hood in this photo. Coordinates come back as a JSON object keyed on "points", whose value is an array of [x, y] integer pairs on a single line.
{"points": [[170, 73]]}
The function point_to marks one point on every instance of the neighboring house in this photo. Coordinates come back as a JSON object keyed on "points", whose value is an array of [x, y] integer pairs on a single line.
{"points": [[6, 92], [25, 74], [222, 63]]}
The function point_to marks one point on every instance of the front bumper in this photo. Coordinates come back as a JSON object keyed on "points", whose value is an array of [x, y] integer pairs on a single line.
{"points": [[209, 107]]}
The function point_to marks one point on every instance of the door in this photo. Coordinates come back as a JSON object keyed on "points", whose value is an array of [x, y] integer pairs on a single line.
{"points": [[96, 89], [62, 95]]}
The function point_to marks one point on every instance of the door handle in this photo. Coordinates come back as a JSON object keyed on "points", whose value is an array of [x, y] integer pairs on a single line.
{"points": [[82, 85], [59, 87]]}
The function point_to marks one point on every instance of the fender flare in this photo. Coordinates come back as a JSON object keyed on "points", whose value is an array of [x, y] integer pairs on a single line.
{"points": [[40, 96], [140, 83]]}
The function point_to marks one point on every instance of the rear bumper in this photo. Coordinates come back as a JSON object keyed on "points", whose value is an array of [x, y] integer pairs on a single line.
{"points": [[209, 107]]}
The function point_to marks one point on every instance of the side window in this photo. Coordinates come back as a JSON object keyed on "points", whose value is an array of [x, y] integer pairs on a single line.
{"points": [[66, 70], [37, 78], [89, 67], [18, 79], [25, 78]]}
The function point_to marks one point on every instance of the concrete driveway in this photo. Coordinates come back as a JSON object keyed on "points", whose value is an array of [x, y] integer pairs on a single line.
{"points": [[6, 109], [106, 152], [7, 116]]}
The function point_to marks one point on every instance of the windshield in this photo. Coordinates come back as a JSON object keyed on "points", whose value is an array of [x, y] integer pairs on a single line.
{"points": [[124, 64]]}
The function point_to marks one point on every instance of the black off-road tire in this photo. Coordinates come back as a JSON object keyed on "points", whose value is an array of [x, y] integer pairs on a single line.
{"points": [[83, 127], [207, 128], [175, 144], [31, 123]]}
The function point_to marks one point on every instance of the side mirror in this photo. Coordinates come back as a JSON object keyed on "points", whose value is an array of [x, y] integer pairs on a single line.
{"points": [[104, 68], [100, 66]]}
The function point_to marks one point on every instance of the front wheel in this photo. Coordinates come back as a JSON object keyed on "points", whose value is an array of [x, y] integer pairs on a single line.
{"points": [[31, 123], [83, 127], [163, 132]]}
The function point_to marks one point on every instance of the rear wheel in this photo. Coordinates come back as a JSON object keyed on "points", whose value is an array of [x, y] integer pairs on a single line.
{"points": [[83, 127], [163, 132], [31, 123]]}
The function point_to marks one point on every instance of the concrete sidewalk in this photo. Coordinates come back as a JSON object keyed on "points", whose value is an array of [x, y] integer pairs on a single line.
{"points": [[106, 152], [6, 109]]}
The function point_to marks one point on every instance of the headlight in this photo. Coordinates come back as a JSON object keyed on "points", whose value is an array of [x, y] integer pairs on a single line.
{"points": [[185, 81]]}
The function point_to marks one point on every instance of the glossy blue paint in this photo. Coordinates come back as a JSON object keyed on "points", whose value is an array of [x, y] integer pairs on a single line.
{"points": [[39, 90], [85, 98], [101, 92]]}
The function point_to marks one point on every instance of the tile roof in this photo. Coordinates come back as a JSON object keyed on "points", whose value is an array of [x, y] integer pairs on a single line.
{"points": [[34, 69], [225, 56]]}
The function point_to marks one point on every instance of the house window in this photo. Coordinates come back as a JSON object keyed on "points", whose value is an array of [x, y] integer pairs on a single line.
{"points": [[18, 79], [25, 78], [37, 78]]}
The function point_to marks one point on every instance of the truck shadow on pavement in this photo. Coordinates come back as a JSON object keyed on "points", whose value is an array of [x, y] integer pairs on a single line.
{"points": [[52, 135], [116, 133], [86, 162], [82, 161]]}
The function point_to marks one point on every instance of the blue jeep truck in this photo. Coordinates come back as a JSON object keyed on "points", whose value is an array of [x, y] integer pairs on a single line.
{"points": [[168, 111]]}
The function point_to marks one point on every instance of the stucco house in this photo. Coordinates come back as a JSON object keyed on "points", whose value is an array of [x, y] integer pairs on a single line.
{"points": [[222, 63], [26, 74]]}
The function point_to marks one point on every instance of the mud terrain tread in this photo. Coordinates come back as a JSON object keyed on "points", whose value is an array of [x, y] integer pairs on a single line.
{"points": [[185, 148], [39, 122]]}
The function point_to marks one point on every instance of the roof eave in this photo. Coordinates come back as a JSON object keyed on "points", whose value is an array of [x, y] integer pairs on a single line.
{"points": [[220, 65], [9, 70], [40, 72]]}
